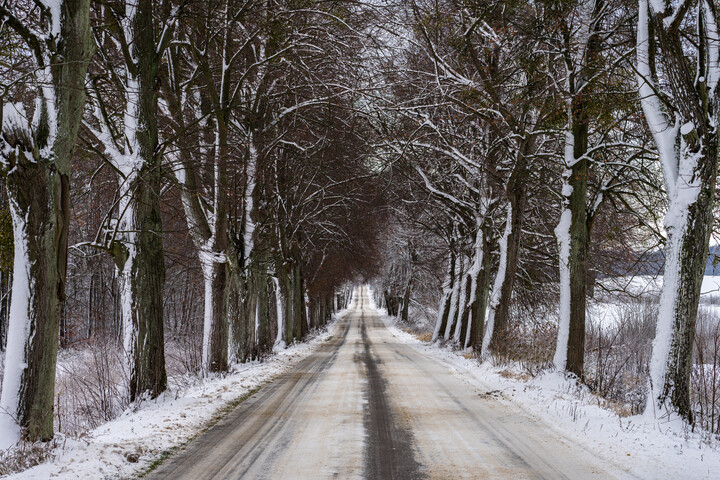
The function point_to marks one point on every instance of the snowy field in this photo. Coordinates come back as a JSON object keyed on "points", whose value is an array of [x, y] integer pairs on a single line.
{"points": [[129, 444], [612, 294], [648, 285], [643, 447]]}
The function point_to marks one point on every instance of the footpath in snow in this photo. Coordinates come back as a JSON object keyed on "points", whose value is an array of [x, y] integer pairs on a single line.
{"points": [[130, 444], [644, 448]]}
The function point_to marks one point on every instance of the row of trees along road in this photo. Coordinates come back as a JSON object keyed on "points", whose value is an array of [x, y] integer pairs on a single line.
{"points": [[251, 150], [126, 122], [526, 138]]}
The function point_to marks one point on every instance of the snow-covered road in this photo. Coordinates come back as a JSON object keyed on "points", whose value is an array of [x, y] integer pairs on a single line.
{"points": [[365, 405]]}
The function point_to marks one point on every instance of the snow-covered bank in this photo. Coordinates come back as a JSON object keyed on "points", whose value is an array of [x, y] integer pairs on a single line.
{"points": [[644, 449], [129, 444]]}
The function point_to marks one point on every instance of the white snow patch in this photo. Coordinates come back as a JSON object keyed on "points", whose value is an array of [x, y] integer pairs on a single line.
{"points": [[55, 11], [18, 335], [562, 232]]}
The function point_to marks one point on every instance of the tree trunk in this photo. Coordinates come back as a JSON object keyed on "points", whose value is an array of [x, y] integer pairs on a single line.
{"points": [[405, 304], [481, 288], [686, 254], [139, 253], [40, 236], [236, 293], [214, 260], [216, 324], [573, 237], [262, 289], [38, 189], [300, 312], [5, 289], [249, 320], [516, 192], [689, 158], [207, 208], [573, 229], [287, 295], [461, 332], [454, 297], [142, 276], [573, 234], [279, 311], [327, 318], [444, 308]]}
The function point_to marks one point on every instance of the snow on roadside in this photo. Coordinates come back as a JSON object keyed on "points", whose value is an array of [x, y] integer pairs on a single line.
{"points": [[129, 444], [643, 448]]}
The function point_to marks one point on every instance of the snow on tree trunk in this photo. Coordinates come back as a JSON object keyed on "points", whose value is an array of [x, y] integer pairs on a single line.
{"points": [[685, 254], [406, 302], [562, 232], [509, 246], [480, 288], [462, 316], [215, 318], [308, 317], [248, 203], [137, 245], [281, 340], [500, 281], [454, 298], [444, 308], [573, 240], [572, 231], [683, 125], [36, 160], [23, 382]]}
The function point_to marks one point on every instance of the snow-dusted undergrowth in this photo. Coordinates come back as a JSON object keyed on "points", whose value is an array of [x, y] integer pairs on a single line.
{"points": [[131, 443], [646, 449]]}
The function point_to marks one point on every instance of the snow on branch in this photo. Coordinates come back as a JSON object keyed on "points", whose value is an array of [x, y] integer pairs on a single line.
{"points": [[665, 134]]}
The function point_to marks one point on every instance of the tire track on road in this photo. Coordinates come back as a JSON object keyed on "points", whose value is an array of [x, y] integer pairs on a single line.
{"points": [[389, 450]]}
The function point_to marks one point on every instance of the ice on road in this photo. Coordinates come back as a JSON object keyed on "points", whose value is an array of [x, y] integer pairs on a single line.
{"points": [[366, 406]]}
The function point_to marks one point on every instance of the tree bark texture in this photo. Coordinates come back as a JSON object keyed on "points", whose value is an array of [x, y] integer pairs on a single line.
{"points": [[482, 289], [579, 243], [145, 277], [516, 193]]}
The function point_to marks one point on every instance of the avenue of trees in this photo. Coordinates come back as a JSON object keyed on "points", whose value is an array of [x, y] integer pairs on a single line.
{"points": [[167, 161], [538, 145], [218, 172]]}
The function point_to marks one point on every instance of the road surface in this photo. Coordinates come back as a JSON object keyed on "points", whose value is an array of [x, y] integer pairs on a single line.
{"points": [[365, 406]]}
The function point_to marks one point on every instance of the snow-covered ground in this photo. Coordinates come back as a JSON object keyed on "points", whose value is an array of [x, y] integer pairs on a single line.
{"points": [[129, 444], [645, 448], [606, 309]]}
